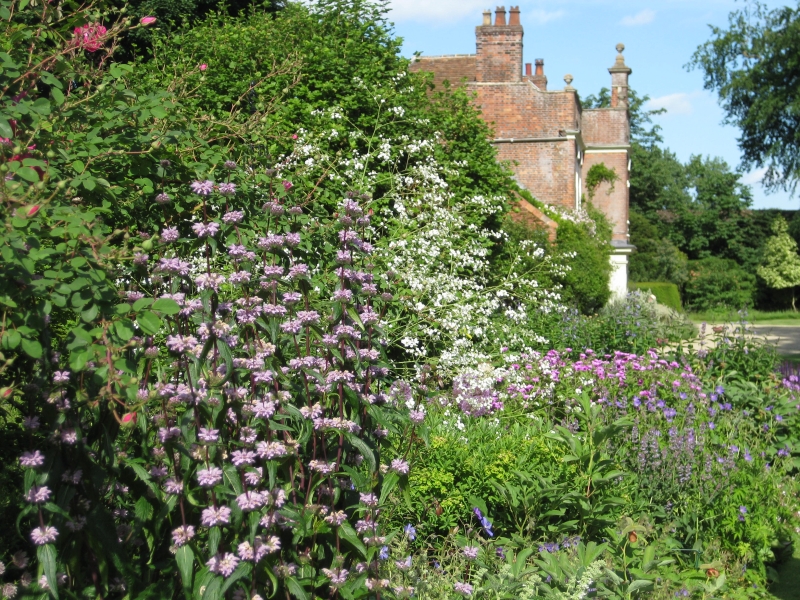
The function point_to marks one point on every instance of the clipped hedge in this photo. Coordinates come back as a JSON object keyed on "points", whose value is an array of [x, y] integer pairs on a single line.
{"points": [[666, 293]]}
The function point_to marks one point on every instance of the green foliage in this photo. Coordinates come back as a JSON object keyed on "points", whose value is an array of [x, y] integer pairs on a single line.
{"points": [[586, 284], [718, 283], [752, 64], [600, 173], [781, 266], [667, 294], [656, 258]]}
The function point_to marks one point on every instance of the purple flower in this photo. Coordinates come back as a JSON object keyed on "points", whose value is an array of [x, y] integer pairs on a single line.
{"points": [[464, 589], [223, 564], [206, 229], [234, 216], [170, 234], [61, 376], [182, 535], [208, 435], [243, 457], [209, 477], [215, 516], [203, 188], [384, 553], [173, 487], [287, 185], [471, 552], [163, 198], [44, 535], [400, 466], [228, 189], [410, 531], [31, 459], [38, 494]]}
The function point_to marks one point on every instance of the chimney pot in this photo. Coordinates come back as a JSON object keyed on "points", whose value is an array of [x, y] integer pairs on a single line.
{"points": [[513, 15], [487, 17], [528, 69], [539, 67], [500, 16]]}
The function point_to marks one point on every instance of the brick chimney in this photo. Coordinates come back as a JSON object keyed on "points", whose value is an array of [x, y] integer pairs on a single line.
{"points": [[499, 48], [539, 79], [619, 80]]}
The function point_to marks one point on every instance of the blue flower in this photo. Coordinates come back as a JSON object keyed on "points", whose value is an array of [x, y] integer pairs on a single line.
{"points": [[410, 531], [384, 553]]}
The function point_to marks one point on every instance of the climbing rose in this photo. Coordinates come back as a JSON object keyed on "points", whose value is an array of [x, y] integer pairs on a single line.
{"points": [[89, 37]]}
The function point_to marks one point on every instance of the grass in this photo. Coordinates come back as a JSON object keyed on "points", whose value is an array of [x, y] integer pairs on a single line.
{"points": [[756, 317]]}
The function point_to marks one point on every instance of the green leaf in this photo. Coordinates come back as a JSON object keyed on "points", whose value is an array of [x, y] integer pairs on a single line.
{"points": [[348, 534], [5, 129], [168, 306], [149, 322], [47, 558], [142, 303], [124, 329], [295, 589], [158, 112], [366, 451], [58, 95], [185, 558], [78, 166], [242, 571], [41, 106], [90, 314], [28, 174], [32, 348], [11, 339], [389, 483]]}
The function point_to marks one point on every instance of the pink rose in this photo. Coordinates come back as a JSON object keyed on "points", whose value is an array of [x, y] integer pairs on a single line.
{"points": [[89, 37], [203, 67], [287, 185], [147, 21]]}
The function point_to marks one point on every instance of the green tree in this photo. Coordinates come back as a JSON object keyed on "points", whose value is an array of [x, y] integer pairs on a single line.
{"points": [[781, 266], [754, 66]]}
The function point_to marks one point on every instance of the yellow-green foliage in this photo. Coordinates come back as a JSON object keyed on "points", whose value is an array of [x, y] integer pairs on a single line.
{"points": [[666, 293]]}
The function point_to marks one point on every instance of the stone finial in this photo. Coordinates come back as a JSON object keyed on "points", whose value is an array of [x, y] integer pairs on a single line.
{"points": [[500, 16], [568, 80], [619, 64], [487, 17]]}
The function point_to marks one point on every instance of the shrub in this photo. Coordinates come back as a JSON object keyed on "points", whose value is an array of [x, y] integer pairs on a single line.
{"points": [[718, 283], [666, 294]]}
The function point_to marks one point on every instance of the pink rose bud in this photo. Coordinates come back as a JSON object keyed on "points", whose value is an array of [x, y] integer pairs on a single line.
{"points": [[32, 210], [294, 136], [129, 418], [6, 392], [147, 20], [203, 67]]}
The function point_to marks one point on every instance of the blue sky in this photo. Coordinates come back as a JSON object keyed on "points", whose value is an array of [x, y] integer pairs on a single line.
{"points": [[579, 36]]}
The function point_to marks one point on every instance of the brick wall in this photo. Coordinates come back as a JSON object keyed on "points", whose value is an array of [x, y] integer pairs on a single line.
{"points": [[601, 126], [545, 169], [521, 110], [613, 203], [454, 68]]}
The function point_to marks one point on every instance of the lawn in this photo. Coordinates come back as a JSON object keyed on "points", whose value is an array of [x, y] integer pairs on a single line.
{"points": [[756, 317]]}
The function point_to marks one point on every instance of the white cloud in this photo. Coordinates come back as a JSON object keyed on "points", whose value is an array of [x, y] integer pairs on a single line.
{"points": [[754, 177], [443, 10], [447, 11], [641, 18], [676, 104]]}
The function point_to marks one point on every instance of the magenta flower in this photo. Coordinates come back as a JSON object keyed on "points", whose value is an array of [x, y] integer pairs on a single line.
{"points": [[89, 37], [203, 67], [147, 21], [287, 185]]}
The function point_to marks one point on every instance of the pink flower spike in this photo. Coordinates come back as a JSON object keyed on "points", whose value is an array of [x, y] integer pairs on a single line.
{"points": [[147, 21], [203, 67]]}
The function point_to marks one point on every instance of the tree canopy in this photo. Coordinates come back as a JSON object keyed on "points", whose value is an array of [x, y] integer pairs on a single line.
{"points": [[754, 66]]}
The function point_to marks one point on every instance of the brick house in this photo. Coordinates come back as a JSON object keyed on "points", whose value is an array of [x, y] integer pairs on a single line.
{"points": [[550, 139]]}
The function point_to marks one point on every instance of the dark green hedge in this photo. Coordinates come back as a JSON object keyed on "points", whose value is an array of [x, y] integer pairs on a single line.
{"points": [[666, 293]]}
